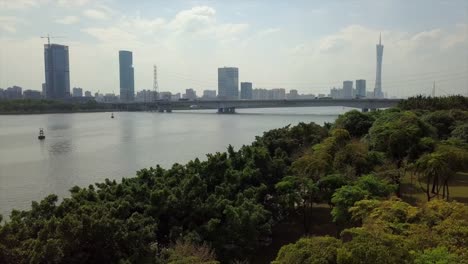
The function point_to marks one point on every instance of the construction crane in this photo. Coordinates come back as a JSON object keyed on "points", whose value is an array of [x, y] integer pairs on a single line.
{"points": [[48, 37]]}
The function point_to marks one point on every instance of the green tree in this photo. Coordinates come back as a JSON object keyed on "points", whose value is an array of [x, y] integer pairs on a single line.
{"points": [[313, 250], [438, 255], [355, 122]]}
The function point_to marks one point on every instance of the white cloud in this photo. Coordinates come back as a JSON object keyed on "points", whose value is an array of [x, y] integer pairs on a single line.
{"points": [[142, 25], [68, 20], [268, 31], [193, 20], [111, 34], [96, 14], [8, 23], [73, 3], [18, 4]]}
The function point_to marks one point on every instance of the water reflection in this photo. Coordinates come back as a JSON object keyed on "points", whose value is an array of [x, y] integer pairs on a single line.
{"points": [[59, 134], [61, 147]]}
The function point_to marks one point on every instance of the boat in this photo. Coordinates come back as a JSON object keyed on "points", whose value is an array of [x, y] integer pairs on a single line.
{"points": [[41, 134], [112, 115]]}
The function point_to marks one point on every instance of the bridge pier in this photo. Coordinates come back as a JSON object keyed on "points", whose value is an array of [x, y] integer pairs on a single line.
{"points": [[162, 109], [227, 110]]}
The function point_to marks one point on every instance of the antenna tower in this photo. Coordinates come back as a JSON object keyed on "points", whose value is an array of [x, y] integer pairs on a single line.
{"points": [[433, 89], [155, 83]]}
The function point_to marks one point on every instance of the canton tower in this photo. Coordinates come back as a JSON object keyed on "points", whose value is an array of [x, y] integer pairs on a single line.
{"points": [[378, 75]]}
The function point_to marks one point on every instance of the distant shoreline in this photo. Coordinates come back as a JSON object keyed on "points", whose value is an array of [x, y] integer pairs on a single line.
{"points": [[58, 112]]}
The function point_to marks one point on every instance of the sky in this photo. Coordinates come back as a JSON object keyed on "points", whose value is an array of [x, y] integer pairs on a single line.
{"points": [[306, 45]]}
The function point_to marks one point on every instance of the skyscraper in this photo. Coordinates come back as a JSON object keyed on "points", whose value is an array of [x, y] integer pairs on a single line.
{"points": [[378, 75], [57, 71], [127, 81], [348, 89], [228, 83], [360, 88], [246, 90]]}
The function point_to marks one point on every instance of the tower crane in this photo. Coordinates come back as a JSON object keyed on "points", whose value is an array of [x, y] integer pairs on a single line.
{"points": [[48, 37]]}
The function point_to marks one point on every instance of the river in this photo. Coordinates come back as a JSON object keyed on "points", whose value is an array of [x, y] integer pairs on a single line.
{"points": [[85, 148]]}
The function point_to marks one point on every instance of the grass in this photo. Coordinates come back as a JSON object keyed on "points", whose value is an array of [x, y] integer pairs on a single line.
{"points": [[458, 187]]}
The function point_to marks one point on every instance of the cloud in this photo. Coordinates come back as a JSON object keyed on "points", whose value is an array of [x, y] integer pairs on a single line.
{"points": [[96, 14], [145, 26], [18, 4], [68, 20], [268, 31], [111, 34], [197, 22], [8, 23], [72, 3], [194, 19]]}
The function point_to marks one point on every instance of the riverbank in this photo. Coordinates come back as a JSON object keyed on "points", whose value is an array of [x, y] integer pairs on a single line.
{"points": [[59, 112]]}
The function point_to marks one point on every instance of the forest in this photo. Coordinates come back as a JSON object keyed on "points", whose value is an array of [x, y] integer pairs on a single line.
{"points": [[387, 186]]}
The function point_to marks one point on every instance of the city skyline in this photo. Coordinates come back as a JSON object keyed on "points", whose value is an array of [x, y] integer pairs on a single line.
{"points": [[270, 54]]}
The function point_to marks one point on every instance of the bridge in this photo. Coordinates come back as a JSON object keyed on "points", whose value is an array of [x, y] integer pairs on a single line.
{"points": [[229, 106]]}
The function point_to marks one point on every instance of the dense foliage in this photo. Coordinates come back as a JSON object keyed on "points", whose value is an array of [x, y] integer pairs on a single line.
{"points": [[435, 103], [392, 231], [229, 205]]}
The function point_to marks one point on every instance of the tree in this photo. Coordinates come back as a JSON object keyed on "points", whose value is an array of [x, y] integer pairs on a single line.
{"points": [[438, 255], [461, 132], [372, 246], [435, 169], [329, 184], [188, 253], [355, 122], [368, 186], [313, 250], [397, 134], [298, 194]]}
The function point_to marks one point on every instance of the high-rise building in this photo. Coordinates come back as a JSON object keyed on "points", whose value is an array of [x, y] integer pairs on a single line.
{"points": [[260, 94], [44, 88], [190, 94], [77, 92], [228, 83], [31, 94], [348, 89], [127, 81], [277, 94], [209, 94], [14, 92], [57, 71], [361, 88], [293, 94], [378, 75], [246, 90], [88, 94]]}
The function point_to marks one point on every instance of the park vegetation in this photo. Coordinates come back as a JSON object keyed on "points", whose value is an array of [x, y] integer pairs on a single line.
{"points": [[225, 208]]}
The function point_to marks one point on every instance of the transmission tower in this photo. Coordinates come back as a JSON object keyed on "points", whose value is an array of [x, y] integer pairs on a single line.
{"points": [[433, 89], [155, 83]]}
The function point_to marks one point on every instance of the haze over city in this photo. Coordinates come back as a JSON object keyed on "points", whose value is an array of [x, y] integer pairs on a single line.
{"points": [[310, 46]]}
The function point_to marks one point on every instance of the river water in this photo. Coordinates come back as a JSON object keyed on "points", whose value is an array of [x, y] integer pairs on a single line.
{"points": [[85, 148]]}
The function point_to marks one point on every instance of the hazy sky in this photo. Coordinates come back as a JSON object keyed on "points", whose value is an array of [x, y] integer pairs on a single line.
{"points": [[305, 45]]}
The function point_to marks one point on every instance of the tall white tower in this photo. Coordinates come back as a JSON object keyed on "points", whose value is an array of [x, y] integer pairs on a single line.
{"points": [[378, 75]]}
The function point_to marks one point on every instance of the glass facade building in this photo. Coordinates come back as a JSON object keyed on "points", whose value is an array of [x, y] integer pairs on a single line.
{"points": [[228, 83], [57, 71], [246, 90], [127, 81]]}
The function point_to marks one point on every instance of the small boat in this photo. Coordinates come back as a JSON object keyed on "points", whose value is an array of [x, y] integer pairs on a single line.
{"points": [[41, 134], [112, 115]]}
